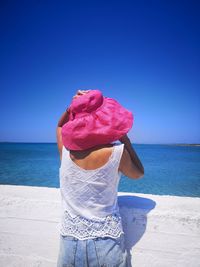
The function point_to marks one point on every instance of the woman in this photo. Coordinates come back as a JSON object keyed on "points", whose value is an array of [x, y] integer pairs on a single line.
{"points": [[91, 232]]}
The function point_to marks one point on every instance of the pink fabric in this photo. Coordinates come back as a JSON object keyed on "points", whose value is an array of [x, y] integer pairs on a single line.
{"points": [[95, 120]]}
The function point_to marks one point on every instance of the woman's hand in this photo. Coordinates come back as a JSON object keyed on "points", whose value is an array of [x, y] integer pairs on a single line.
{"points": [[80, 93]]}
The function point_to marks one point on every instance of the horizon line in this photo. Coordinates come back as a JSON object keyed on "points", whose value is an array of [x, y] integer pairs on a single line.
{"points": [[26, 142]]}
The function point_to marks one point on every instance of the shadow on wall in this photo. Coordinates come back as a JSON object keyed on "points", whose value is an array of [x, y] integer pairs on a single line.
{"points": [[134, 210]]}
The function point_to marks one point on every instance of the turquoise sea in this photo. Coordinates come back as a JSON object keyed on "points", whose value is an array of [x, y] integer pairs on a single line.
{"points": [[169, 169]]}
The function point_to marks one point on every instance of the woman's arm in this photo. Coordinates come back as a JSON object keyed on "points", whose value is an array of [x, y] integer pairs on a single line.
{"points": [[63, 119], [130, 164]]}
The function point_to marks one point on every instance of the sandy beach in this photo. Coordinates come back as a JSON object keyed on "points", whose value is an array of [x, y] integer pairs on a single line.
{"points": [[160, 230]]}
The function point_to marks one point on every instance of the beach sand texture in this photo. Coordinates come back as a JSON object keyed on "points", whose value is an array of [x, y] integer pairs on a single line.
{"points": [[160, 230]]}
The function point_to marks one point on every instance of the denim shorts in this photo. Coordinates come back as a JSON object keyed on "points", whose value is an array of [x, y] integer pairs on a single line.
{"points": [[97, 252]]}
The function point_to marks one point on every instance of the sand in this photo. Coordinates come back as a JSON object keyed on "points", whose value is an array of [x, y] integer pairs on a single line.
{"points": [[160, 230]]}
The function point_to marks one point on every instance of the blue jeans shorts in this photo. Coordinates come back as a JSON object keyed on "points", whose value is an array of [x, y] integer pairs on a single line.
{"points": [[98, 252]]}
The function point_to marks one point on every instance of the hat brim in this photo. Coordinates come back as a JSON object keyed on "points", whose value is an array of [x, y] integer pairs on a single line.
{"points": [[105, 125]]}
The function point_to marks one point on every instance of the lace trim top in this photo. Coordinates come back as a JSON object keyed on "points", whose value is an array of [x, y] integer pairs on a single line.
{"points": [[89, 198], [83, 228]]}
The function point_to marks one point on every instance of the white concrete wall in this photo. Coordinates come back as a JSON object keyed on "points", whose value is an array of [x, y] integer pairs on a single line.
{"points": [[160, 230]]}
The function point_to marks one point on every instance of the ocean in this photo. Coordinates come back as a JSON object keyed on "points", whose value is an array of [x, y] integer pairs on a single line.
{"points": [[169, 169]]}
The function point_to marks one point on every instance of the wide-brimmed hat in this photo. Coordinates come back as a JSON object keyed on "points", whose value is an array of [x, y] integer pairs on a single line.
{"points": [[95, 120]]}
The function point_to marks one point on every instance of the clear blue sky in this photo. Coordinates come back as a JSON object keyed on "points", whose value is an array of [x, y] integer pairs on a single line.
{"points": [[145, 54]]}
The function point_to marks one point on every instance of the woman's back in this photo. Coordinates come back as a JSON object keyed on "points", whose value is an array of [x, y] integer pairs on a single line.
{"points": [[94, 158], [89, 196]]}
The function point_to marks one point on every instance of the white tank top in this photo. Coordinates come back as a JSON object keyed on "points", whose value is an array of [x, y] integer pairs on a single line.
{"points": [[89, 198]]}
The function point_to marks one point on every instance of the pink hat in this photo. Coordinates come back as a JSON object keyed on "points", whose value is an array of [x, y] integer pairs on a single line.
{"points": [[95, 120]]}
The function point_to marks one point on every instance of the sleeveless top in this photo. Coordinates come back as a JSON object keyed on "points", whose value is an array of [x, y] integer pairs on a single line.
{"points": [[89, 198]]}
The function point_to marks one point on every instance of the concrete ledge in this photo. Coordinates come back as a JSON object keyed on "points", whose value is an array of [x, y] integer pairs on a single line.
{"points": [[160, 230]]}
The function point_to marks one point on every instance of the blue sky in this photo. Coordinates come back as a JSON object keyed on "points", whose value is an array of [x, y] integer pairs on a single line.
{"points": [[145, 54]]}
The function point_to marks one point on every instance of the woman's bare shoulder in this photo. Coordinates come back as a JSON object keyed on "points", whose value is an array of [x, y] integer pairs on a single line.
{"points": [[92, 158]]}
